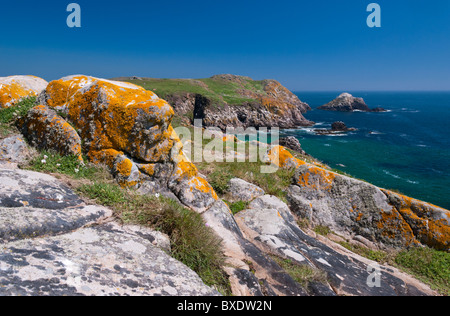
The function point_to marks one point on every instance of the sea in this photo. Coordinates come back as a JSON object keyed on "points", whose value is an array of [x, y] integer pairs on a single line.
{"points": [[406, 149]]}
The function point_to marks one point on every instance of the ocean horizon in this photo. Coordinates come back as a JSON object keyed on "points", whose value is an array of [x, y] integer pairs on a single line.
{"points": [[406, 149]]}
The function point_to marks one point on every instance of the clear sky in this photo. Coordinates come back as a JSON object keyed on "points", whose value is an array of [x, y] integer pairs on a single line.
{"points": [[306, 45]]}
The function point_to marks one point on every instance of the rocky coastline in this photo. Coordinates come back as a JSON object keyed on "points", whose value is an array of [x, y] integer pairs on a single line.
{"points": [[54, 242]]}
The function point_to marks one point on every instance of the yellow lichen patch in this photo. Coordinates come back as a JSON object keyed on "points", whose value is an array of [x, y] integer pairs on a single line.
{"points": [[124, 167], [429, 222], [202, 185], [433, 233], [15, 88], [49, 131], [392, 226], [281, 157], [107, 157], [316, 178], [115, 115], [148, 169]]}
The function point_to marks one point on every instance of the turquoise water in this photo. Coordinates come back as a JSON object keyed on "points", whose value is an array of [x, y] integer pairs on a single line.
{"points": [[406, 149]]}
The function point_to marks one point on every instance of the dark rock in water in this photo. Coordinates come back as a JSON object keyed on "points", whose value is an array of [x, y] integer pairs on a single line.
{"points": [[378, 109], [339, 127], [293, 143], [348, 103], [336, 128]]}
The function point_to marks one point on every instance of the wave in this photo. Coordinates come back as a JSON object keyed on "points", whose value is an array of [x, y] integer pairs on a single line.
{"points": [[391, 174], [400, 178]]}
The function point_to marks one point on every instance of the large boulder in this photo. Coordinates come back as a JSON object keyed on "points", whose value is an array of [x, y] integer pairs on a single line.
{"points": [[114, 115], [15, 88], [353, 207], [129, 129]]}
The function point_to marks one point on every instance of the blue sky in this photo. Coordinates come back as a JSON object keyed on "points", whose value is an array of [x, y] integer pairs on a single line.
{"points": [[306, 45]]}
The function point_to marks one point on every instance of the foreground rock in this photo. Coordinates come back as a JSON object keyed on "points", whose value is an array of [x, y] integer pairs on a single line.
{"points": [[33, 205], [273, 228], [54, 244], [102, 260], [348, 103], [15, 88]]}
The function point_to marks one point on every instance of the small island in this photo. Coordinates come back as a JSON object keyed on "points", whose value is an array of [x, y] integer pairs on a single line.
{"points": [[348, 103]]}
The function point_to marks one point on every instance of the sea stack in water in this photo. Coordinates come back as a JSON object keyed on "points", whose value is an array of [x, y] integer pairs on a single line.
{"points": [[348, 103]]}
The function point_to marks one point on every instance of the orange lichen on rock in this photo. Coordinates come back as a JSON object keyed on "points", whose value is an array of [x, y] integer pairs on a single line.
{"points": [[46, 130], [115, 115], [282, 158], [316, 178], [392, 226], [15, 88], [430, 223]]}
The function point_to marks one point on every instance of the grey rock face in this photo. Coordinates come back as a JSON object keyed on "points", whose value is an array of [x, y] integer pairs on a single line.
{"points": [[346, 103], [275, 232], [293, 143], [241, 190], [54, 244], [102, 260], [348, 206], [14, 149], [20, 188]]}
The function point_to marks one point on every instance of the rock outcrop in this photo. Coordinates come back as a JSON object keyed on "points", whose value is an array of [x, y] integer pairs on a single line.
{"points": [[271, 226], [256, 104], [240, 190], [292, 143], [15, 88], [348, 103], [353, 207]]}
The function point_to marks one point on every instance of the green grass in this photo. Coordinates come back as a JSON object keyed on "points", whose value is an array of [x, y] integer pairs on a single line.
{"points": [[192, 241], [219, 91], [52, 162], [428, 265], [8, 116], [238, 206], [322, 230]]}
